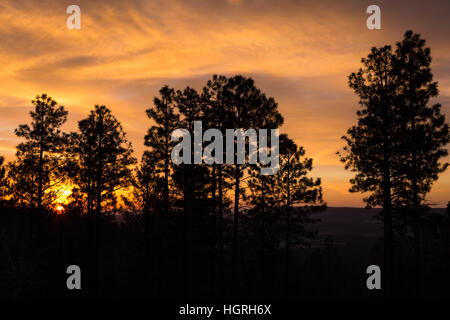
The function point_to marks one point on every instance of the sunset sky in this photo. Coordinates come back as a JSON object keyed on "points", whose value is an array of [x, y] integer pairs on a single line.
{"points": [[299, 52]]}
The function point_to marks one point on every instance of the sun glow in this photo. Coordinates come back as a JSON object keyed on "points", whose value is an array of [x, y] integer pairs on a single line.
{"points": [[64, 197]]}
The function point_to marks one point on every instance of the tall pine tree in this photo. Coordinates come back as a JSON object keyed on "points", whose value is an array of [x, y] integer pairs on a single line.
{"points": [[42, 154], [425, 134], [371, 145]]}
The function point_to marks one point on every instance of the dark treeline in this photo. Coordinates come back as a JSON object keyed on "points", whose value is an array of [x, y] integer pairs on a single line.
{"points": [[155, 229]]}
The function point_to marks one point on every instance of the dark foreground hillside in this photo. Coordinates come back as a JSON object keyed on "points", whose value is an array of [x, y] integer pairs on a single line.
{"points": [[33, 264]]}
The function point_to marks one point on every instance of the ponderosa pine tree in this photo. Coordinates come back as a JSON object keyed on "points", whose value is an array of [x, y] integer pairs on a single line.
{"points": [[102, 158], [426, 133], [213, 116], [189, 104], [370, 150], [147, 199], [282, 204], [158, 139], [44, 146], [158, 136], [396, 147], [263, 215], [299, 195], [246, 108]]}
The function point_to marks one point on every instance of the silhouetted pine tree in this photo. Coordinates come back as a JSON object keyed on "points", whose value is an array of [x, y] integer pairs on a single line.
{"points": [[264, 218], [371, 144], [264, 198], [37, 174], [103, 157], [299, 194], [188, 103], [158, 139], [147, 199], [44, 144], [424, 129], [213, 116], [158, 136], [398, 142], [247, 108]]}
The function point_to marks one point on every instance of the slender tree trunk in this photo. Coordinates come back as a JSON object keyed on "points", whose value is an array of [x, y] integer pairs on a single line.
{"points": [[98, 213], [288, 227], [162, 277], [234, 257], [221, 234], [263, 236], [388, 233], [91, 249], [166, 168], [213, 232], [416, 211], [190, 212], [32, 222], [188, 195], [221, 240], [62, 260], [40, 183], [41, 168], [100, 168], [32, 204], [146, 240], [40, 177], [387, 210]]}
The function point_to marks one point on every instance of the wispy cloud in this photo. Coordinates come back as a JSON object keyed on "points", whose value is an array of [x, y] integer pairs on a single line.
{"points": [[299, 52]]}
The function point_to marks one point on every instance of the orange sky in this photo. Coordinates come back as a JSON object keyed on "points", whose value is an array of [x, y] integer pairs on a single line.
{"points": [[299, 52]]}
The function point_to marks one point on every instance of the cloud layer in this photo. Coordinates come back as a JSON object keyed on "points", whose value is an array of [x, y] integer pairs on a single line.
{"points": [[299, 52]]}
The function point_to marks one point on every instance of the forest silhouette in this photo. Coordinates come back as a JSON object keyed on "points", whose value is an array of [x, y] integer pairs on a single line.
{"points": [[155, 230]]}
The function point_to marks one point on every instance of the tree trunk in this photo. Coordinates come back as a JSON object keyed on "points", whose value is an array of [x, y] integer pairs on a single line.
{"points": [[417, 213], [234, 257], [147, 240], [263, 237], [288, 236], [221, 234], [387, 210], [187, 228], [98, 208], [91, 249], [214, 232], [40, 177], [41, 168]]}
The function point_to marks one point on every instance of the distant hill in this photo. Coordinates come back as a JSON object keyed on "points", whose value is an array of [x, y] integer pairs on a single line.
{"points": [[351, 227], [342, 221]]}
